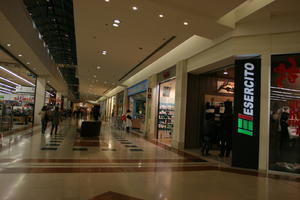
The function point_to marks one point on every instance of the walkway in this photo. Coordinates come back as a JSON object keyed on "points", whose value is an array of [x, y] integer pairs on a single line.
{"points": [[121, 166]]}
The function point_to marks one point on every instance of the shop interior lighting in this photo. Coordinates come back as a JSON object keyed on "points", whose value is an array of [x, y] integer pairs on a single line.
{"points": [[225, 72], [28, 63], [23, 79], [5, 92], [286, 89], [116, 21], [9, 81], [7, 86], [2, 88]]}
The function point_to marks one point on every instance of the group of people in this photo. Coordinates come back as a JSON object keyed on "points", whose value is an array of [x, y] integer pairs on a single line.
{"points": [[226, 129], [55, 116]]}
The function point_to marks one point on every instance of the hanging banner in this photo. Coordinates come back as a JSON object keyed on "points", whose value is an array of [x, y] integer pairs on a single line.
{"points": [[245, 140]]}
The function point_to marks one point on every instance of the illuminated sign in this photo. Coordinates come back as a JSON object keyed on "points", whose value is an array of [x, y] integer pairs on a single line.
{"points": [[245, 120], [245, 139]]}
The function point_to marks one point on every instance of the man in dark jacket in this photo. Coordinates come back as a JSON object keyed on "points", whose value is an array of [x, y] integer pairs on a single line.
{"points": [[226, 130]]}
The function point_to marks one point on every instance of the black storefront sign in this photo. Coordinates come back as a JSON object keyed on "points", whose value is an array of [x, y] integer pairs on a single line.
{"points": [[245, 139]]}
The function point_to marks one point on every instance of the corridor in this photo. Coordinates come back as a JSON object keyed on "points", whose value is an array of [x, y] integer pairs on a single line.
{"points": [[121, 166]]}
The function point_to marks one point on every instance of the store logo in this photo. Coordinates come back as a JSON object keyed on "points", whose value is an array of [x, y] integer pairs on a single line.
{"points": [[245, 125], [245, 120], [291, 73]]}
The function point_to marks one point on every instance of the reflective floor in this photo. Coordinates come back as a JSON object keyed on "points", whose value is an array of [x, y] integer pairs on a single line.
{"points": [[120, 166]]}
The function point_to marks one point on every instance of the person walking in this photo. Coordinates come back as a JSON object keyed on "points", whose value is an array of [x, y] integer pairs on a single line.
{"points": [[128, 121], [56, 117], [44, 118], [208, 133], [226, 130]]}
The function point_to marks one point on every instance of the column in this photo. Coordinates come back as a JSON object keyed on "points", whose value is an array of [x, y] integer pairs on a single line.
{"points": [[264, 112], [180, 105], [58, 99], [151, 108], [39, 98], [125, 101], [65, 106]]}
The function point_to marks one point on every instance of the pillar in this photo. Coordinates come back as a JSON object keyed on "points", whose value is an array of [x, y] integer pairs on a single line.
{"points": [[39, 99], [150, 129], [58, 98], [180, 105], [264, 111]]}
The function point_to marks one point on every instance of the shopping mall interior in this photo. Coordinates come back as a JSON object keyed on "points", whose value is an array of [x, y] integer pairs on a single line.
{"points": [[149, 100]]}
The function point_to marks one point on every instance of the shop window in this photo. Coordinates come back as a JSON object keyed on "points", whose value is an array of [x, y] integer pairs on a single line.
{"points": [[284, 152]]}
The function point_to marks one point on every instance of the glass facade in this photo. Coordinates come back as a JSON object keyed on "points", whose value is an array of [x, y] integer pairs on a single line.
{"points": [[285, 114], [17, 93]]}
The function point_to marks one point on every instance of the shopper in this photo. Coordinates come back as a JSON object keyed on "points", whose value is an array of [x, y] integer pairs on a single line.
{"points": [[208, 133], [96, 112], [128, 121], [56, 117], [226, 130], [284, 133], [44, 118]]}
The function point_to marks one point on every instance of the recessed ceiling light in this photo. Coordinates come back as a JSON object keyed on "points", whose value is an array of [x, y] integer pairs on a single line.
{"points": [[28, 63], [20, 55], [107, 0], [116, 25], [116, 21], [8, 45], [161, 15], [98, 67], [185, 23], [104, 52], [134, 8], [95, 76]]}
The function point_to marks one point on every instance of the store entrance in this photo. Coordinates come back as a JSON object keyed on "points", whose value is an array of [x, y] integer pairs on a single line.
{"points": [[166, 111], [210, 122]]}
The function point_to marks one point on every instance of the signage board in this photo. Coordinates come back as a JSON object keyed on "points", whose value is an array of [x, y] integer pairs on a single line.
{"points": [[245, 149], [23, 89], [138, 88]]}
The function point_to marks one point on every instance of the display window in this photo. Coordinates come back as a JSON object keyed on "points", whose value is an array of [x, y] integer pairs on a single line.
{"points": [[166, 111], [137, 106], [17, 94], [284, 148]]}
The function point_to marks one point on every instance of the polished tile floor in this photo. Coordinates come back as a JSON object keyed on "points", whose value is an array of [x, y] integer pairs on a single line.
{"points": [[120, 166]]}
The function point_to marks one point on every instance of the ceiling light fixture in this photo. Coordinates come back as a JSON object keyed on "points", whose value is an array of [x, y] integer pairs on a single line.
{"points": [[116, 21], [7, 86], [225, 72], [185, 23], [28, 63], [98, 67], [95, 76], [134, 8], [107, 1], [23, 79], [116, 25], [5, 92], [9, 81], [161, 15], [104, 52], [20, 55], [8, 45], [2, 88]]}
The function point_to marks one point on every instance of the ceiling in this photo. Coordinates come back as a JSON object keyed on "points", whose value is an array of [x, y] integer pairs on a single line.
{"points": [[141, 38], [12, 65]]}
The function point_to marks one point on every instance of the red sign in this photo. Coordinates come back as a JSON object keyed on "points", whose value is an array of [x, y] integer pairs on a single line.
{"points": [[291, 73]]}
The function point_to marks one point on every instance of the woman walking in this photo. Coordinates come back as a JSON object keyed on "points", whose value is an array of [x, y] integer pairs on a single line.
{"points": [[56, 117], [44, 118]]}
